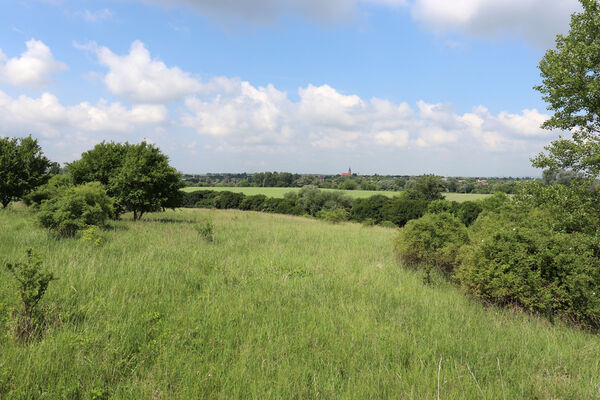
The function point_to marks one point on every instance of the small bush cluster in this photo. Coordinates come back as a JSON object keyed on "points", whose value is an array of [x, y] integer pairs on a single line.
{"points": [[76, 208], [432, 241], [334, 216]]}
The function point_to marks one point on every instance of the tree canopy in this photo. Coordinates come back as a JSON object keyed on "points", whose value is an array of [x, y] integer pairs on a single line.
{"points": [[571, 87], [23, 167], [137, 176]]}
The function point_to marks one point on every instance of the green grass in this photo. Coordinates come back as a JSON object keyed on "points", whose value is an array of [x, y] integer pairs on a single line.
{"points": [[280, 192], [276, 307]]}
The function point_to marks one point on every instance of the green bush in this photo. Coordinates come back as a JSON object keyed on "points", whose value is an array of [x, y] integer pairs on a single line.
{"points": [[253, 203], [281, 206], [75, 209], [400, 210], [56, 185], [228, 200], [468, 212], [440, 206], [369, 208], [199, 198], [206, 229], [432, 241], [516, 257], [32, 283], [334, 216], [388, 224]]}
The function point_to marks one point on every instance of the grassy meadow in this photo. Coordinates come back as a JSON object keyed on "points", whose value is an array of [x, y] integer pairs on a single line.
{"points": [[279, 192], [277, 307]]}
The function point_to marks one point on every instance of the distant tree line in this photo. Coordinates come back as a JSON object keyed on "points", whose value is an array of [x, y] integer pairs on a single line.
{"points": [[480, 185], [375, 210]]}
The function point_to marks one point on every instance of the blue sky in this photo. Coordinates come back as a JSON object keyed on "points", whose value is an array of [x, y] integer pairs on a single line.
{"points": [[308, 86]]}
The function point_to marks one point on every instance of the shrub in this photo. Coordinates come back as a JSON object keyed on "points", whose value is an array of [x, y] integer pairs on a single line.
{"points": [[440, 206], [56, 185], [494, 202], [312, 200], [32, 281], [515, 257], [75, 209], [228, 200], [388, 224], [253, 203], [369, 222], [200, 199], [400, 211], [369, 208], [281, 206], [468, 212], [334, 216], [92, 235], [432, 241], [206, 229]]}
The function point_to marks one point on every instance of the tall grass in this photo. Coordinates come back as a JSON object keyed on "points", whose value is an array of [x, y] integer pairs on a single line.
{"points": [[274, 307]]}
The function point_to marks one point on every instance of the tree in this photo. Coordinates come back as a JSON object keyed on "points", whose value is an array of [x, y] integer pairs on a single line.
{"points": [[138, 177], [100, 164], [429, 187], [571, 87], [145, 182], [23, 167]]}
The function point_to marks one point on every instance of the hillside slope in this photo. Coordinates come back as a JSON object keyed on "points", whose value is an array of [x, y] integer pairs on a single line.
{"points": [[275, 307]]}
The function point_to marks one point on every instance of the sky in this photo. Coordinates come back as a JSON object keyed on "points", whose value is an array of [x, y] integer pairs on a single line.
{"points": [[403, 87]]}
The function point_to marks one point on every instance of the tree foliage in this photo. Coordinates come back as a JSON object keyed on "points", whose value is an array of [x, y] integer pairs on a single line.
{"points": [[137, 176], [429, 187], [23, 167], [571, 87]]}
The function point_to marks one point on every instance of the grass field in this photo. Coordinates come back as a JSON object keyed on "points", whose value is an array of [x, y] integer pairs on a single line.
{"points": [[280, 192], [277, 307]]}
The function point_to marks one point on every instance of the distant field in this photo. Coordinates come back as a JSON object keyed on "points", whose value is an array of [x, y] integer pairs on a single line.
{"points": [[277, 307], [280, 192]]}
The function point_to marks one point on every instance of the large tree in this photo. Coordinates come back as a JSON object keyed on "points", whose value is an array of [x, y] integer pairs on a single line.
{"points": [[137, 176], [23, 167], [571, 87]]}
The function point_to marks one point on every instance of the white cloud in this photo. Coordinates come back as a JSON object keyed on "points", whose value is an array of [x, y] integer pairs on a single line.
{"points": [[47, 117], [138, 78], [96, 16], [242, 116], [34, 68], [535, 20], [251, 115]]}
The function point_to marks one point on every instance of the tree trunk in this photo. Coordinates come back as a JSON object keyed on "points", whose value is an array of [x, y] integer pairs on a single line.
{"points": [[135, 216]]}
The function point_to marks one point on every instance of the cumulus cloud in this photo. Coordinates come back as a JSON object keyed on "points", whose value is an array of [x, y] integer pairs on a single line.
{"points": [[536, 20], [324, 118], [46, 116], [138, 78], [34, 68]]}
